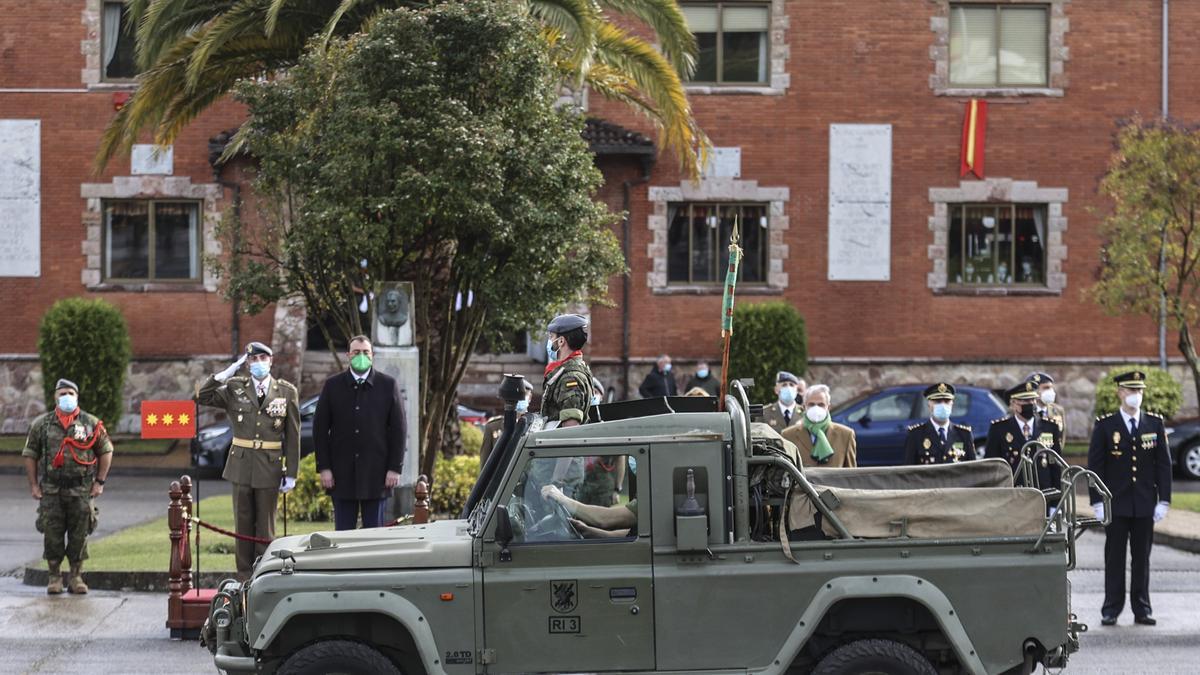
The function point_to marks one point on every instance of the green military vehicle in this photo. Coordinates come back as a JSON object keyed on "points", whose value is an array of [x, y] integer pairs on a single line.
{"points": [[736, 561]]}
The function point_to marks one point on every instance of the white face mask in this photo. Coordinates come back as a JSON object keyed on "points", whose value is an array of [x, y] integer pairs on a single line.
{"points": [[816, 414], [1048, 396], [1134, 400]]}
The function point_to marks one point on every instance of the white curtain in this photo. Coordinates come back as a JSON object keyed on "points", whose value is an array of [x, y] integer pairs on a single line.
{"points": [[1039, 222], [111, 30]]}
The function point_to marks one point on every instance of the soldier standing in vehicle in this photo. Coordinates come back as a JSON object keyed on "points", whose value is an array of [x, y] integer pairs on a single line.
{"points": [[567, 393], [495, 424], [1123, 442], [1046, 406], [73, 452], [785, 412], [264, 413], [936, 440]]}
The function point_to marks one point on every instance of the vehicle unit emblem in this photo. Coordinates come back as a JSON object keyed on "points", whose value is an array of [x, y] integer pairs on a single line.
{"points": [[564, 595]]}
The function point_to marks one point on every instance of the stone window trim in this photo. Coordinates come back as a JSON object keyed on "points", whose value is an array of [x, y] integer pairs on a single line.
{"points": [[713, 190], [1059, 53], [998, 190], [90, 47], [149, 187], [779, 53]]}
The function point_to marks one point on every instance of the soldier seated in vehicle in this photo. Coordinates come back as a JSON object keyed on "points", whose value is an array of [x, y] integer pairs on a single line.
{"points": [[596, 522]]}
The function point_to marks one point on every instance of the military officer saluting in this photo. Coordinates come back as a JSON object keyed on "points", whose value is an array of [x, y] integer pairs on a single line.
{"points": [[1007, 436], [1047, 409], [1130, 454], [785, 412], [264, 413], [71, 451], [936, 440]]}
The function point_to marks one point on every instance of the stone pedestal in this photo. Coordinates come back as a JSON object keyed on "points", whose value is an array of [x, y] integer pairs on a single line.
{"points": [[403, 363]]}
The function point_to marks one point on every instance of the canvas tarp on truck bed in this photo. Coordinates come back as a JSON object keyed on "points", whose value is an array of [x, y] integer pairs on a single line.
{"points": [[978, 473]]}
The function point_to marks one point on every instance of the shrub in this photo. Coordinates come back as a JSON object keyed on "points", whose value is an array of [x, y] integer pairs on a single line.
{"points": [[308, 500], [1164, 396], [472, 438], [767, 337], [87, 342], [453, 479]]}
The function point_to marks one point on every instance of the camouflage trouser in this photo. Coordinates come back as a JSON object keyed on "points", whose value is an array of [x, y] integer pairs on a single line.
{"points": [[65, 517]]}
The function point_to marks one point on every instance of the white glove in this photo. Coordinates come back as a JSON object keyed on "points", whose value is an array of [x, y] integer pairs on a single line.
{"points": [[1160, 510], [228, 372], [1098, 507], [286, 484]]}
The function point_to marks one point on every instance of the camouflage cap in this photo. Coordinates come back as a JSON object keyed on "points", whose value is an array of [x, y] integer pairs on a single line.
{"points": [[64, 383]]}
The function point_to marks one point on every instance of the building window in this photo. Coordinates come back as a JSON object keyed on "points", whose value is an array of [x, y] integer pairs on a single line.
{"points": [[151, 241], [732, 40], [116, 43], [999, 45], [997, 245], [698, 242]]}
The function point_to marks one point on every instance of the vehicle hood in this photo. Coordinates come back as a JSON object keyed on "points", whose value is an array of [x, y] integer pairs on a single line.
{"points": [[443, 543]]}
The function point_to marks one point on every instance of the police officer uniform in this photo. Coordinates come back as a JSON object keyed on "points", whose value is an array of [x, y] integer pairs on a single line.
{"points": [[1052, 412], [932, 443], [779, 416], [1008, 435], [1131, 455], [66, 449], [266, 447]]}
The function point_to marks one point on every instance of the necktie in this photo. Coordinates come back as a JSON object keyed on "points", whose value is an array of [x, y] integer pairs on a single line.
{"points": [[1025, 430], [1133, 427], [942, 434], [787, 417]]}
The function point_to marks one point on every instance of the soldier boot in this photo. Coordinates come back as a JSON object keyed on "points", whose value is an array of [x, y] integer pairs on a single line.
{"points": [[54, 585], [75, 580]]}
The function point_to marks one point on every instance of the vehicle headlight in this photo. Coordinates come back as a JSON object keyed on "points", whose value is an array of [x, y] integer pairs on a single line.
{"points": [[212, 432]]}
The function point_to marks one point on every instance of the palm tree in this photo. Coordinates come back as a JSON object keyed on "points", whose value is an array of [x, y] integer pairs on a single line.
{"points": [[193, 52]]}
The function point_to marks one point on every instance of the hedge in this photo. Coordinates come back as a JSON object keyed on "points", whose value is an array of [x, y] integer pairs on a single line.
{"points": [[767, 337], [87, 342]]}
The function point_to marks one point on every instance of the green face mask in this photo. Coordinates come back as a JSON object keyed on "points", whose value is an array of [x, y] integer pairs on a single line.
{"points": [[360, 363]]}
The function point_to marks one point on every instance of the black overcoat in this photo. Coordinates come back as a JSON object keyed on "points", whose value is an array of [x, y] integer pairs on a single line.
{"points": [[359, 433]]}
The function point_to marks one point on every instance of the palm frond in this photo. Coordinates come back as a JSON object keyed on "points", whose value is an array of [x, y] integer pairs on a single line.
{"points": [[669, 25], [576, 21], [161, 22]]}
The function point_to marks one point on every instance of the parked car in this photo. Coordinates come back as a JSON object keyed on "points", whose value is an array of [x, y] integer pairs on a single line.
{"points": [[880, 419], [471, 415], [211, 444], [1183, 436]]}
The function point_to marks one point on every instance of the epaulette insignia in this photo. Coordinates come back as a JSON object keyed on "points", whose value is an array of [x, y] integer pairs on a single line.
{"points": [[914, 426], [999, 420], [964, 427], [1154, 414]]}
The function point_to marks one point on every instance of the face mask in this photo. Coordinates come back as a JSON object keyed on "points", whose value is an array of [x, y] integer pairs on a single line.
{"points": [[551, 352], [1134, 400], [596, 399], [1048, 396], [667, 368], [360, 363], [523, 405], [67, 403], [941, 411], [702, 373], [787, 395], [1027, 410], [816, 414], [260, 369]]}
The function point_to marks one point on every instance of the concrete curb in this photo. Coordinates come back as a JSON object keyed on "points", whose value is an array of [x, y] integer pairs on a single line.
{"points": [[157, 582]]}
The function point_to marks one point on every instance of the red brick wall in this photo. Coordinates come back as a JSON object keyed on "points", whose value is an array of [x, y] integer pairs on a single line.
{"points": [[868, 62]]}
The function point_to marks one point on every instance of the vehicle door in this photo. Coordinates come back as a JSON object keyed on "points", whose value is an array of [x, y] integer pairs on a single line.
{"points": [[553, 600], [881, 424]]}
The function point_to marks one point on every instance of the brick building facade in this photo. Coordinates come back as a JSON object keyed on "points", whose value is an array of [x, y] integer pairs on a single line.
{"points": [[775, 75]]}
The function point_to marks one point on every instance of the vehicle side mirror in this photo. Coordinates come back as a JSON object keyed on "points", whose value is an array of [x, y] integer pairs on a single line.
{"points": [[865, 421], [504, 533], [691, 522]]}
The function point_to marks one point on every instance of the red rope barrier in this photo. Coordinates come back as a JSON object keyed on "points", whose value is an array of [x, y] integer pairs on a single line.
{"points": [[227, 533]]}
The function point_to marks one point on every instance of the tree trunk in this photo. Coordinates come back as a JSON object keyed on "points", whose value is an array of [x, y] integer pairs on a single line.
{"points": [[1188, 348]]}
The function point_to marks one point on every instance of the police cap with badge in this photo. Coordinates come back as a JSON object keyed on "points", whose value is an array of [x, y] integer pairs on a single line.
{"points": [[1025, 391], [1134, 379], [942, 391]]}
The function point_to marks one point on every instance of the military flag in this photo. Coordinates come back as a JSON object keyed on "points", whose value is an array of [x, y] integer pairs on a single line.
{"points": [[973, 134], [168, 419], [735, 257]]}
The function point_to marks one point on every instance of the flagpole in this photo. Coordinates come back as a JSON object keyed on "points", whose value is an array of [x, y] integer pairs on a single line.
{"points": [[735, 256]]}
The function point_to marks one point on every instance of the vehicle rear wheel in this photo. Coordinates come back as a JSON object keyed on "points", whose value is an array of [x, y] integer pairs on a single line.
{"points": [[870, 657], [1189, 461], [341, 657]]}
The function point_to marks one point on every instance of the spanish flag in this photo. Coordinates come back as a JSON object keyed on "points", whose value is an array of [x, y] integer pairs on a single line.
{"points": [[168, 419], [973, 133]]}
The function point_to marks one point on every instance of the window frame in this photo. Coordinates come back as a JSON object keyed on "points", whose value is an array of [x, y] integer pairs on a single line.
{"points": [[721, 247], [720, 7], [1012, 206], [106, 235], [997, 32], [104, 78]]}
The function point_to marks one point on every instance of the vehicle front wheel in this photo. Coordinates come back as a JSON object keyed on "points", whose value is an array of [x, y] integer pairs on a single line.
{"points": [[884, 657], [1189, 461], [337, 656]]}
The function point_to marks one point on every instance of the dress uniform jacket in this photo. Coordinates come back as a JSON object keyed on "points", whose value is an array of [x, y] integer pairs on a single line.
{"points": [[923, 445], [841, 438], [1136, 470], [1057, 414], [1005, 440], [271, 425], [774, 417]]}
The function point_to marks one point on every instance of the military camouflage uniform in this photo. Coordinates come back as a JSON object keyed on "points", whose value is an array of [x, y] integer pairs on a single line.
{"points": [[264, 433], [567, 394], [66, 510]]}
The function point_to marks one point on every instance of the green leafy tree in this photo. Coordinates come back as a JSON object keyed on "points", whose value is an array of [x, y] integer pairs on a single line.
{"points": [[1152, 237], [87, 342], [193, 53], [767, 337], [429, 147], [1164, 395]]}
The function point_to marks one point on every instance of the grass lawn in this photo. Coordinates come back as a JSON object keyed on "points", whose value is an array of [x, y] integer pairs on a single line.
{"points": [[1189, 501], [146, 547], [1076, 449], [122, 446]]}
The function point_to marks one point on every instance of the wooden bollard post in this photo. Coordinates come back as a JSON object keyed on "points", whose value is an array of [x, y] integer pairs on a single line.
{"points": [[421, 505], [175, 576], [185, 562]]}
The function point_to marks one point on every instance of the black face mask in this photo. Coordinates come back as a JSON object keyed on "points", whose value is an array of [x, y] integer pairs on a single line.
{"points": [[1027, 410]]}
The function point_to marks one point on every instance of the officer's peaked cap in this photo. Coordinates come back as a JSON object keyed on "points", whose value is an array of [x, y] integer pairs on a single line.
{"points": [[1040, 378], [1025, 391], [565, 323], [258, 348], [1134, 379], [64, 383], [942, 391], [785, 376]]}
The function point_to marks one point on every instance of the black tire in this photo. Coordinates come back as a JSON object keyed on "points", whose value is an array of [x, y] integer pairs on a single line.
{"points": [[1188, 461], [337, 656], [863, 657]]}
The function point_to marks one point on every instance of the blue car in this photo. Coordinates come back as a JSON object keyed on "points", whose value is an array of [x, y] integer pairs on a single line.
{"points": [[881, 419]]}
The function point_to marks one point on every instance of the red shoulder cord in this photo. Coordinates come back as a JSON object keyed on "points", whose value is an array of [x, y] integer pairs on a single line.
{"points": [[67, 442], [554, 364]]}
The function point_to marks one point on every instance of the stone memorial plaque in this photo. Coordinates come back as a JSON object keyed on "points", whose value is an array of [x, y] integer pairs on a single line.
{"points": [[860, 199], [20, 198], [148, 160], [723, 163]]}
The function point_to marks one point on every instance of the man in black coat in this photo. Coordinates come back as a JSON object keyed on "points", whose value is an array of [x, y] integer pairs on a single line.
{"points": [[1122, 443], [659, 381], [359, 434], [936, 440]]}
